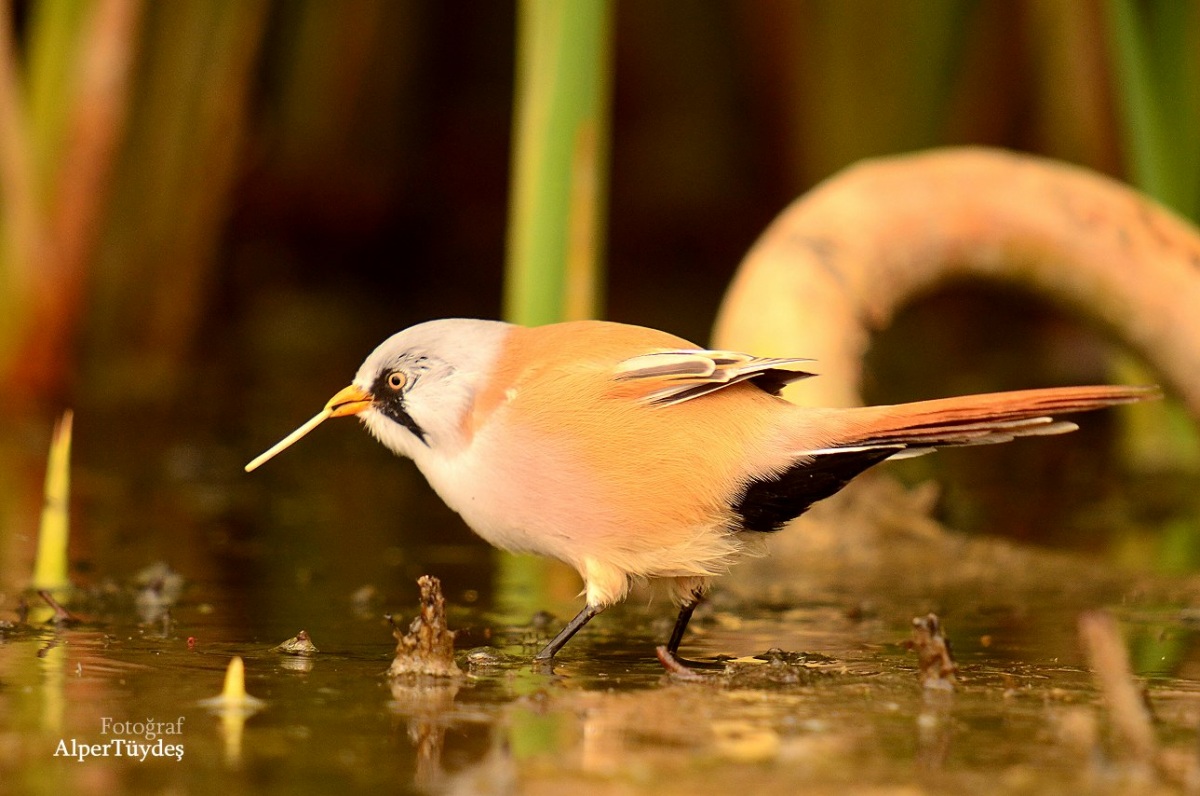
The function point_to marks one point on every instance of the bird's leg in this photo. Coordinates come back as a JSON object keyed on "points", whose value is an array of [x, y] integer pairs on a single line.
{"points": [[685, 615], [681, 623], [564, 635]]}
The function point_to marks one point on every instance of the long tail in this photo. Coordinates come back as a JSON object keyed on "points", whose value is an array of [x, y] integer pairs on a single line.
{"points": [[977, 419], [853, 440]]}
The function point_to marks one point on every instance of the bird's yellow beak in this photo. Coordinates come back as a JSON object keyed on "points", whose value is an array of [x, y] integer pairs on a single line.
{"points": [[350, 401]]}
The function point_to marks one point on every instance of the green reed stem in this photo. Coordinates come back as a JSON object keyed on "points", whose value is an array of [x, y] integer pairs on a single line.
{"points": [[560, 160], [1156, 60]]}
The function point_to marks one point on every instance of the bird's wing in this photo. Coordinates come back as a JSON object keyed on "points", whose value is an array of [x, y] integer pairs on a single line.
{"points": [[686, 374]]}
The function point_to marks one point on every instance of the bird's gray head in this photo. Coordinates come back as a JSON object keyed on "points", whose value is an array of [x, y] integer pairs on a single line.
{"points": [[423, 380], [415, 388]]}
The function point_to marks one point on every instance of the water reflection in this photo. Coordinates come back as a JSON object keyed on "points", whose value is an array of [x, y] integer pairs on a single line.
{"points": [[935, 728], [426, 703]]}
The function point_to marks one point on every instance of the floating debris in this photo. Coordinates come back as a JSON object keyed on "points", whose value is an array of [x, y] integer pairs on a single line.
{"points": [[61, 615], [778, 657], [428, 646], [365, 601], [299, 644], [157, 588], [777, 667], [936, 663], [490, 660], [541, 620]]}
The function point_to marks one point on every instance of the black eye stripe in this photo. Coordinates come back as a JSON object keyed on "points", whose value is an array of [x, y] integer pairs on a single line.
{"points": [[382, 387], [389, 401], [395, 411]]}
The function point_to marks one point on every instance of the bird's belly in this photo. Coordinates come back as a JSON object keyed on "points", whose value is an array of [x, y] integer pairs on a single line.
{"points": [[545, 500], [509, 506]]}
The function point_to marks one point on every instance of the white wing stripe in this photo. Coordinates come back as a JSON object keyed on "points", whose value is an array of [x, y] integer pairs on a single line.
{"points": [[697, 372]]}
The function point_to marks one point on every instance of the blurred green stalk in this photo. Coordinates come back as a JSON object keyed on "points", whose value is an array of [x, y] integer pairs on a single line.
{"points": [[1154, 46], [63, 96], [55, 53], [557, 199], [186, 133], [560, 160], [50, 565], [1156, 60]]}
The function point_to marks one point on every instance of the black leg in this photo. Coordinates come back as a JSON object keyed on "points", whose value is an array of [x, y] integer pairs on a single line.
{"points": [[685, 616], [564, 635]]}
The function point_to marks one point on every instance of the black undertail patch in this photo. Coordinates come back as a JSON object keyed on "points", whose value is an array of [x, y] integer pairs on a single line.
{"points": [[768, 504]]}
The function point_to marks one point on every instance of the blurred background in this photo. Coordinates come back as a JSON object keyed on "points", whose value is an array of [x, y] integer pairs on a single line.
{"points": [[211, 211]]}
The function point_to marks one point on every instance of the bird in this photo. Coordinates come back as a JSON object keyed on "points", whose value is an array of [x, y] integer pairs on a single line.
{"points": [[634, 455]]}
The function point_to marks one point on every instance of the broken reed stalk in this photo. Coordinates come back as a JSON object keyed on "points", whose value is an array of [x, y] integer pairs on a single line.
{"points": [[50, 565], [234, 706], [1110, 666], [936, 664], [233, 692], [428, 646]]}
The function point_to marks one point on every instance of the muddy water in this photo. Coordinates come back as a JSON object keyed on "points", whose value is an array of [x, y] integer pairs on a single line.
{"points": [[331, 540]]}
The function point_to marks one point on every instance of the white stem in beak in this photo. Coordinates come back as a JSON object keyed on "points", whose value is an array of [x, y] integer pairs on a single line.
{"points": [[320, 417]]}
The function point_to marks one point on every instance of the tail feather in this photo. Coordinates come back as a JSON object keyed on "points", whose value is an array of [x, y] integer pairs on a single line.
{"points": [[981, 419], [854, 440]]}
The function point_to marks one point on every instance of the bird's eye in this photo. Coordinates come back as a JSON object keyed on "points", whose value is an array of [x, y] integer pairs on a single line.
{"points": [[396, 380]]}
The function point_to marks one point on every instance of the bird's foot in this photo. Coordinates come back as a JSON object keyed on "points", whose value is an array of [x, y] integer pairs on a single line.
{"points": [[684, 667]]}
